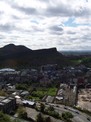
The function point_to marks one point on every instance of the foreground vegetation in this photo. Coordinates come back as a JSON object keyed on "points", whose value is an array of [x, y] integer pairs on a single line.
{"points": [[6, 118], [37, 93], [50, 111]]}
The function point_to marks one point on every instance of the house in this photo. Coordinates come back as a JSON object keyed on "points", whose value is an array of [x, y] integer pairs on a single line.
{"points": [[24, 93], [28, 103]]}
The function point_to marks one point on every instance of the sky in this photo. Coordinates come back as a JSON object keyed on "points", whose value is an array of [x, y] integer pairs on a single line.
{"points": [[38, 24]]}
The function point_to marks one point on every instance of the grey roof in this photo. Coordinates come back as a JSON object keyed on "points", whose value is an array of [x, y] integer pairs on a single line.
{"points": [[49, 99], [28, 102], [7, 70]]}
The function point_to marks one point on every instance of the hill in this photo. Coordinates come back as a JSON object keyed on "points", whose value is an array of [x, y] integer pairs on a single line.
{"points": [[21, 56]]}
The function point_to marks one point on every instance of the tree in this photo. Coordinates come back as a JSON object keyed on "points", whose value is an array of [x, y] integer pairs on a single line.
{"points": [[67, 116], [42, 107], [3, 93], [22, 113], [47, 119], [4, 117], [51, 108], [21, 86], [40, 118]]}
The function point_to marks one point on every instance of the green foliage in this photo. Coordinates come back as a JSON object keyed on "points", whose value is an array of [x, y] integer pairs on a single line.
{"points": [[37, 108], [66, 116], [33, 98], [4, 118], [47, 119], [22, 112], [76, 61], [52, 113], [42, 107], [3, 93], [21, 86], [40, 118], [50, 108], [39, 93], [86, 61], [52, 91], [49, 111]]}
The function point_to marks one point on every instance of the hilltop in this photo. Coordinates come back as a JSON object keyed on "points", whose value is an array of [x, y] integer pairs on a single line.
{"points": [[21, 56]]}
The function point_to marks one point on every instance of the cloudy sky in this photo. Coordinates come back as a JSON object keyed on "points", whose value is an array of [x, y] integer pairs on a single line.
{"points": [[37, 24]]}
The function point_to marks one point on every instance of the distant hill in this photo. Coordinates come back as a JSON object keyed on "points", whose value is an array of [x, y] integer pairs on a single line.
{"points": [[77, 53], [21, 56]]}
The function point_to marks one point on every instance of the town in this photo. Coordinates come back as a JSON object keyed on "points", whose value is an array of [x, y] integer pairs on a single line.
{"points": [[45, 89], [45, 60]]}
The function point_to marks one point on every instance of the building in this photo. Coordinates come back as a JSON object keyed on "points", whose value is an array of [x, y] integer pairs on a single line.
{"points": [[67, 94], [28, 103], [7, 104]]}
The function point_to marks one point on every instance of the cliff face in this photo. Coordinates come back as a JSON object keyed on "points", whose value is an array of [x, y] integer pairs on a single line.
{"points": [[21, 56]]}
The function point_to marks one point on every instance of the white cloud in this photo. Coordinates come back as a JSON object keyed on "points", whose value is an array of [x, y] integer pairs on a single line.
{"points": [[41, 23]]}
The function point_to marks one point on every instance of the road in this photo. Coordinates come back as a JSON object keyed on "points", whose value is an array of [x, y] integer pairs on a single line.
{"points": [[78, 116], [32, 113]]}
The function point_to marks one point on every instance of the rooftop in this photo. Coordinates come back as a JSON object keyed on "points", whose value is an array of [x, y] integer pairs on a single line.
{"points": [[7, 70], [4, 100]]}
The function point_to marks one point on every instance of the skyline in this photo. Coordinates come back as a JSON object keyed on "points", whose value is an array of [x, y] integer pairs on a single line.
{"points": [[40, 24]]}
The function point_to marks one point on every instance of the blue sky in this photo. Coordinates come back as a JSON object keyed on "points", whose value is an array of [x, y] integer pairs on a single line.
{"points": [[70, 22], [37, 24]]}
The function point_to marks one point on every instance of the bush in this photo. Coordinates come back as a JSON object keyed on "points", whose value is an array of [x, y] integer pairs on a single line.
{"points": [[51, 108], [22, 113], [67, 116], [53, 114], [42, 107], [40, 118], [4, 117], [21, 86], [50, 111], [47, 119], [39, 94], [3, 93]]}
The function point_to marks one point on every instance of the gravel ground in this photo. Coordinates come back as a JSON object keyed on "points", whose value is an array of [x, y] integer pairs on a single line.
{"points": [[84, 99]]}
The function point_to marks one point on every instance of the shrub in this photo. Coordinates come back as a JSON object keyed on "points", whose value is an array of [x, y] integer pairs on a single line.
{"points": [[4, 117], [42, 107], [51, 108], [40, 118], [47, 119], [53, 114], [66, 115], [22, 113]]}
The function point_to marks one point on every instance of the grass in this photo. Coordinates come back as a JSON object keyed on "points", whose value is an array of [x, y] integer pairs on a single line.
{"points": [[41, 92], [52, 91], [76, 61]]}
